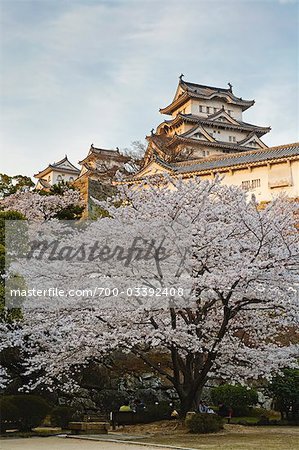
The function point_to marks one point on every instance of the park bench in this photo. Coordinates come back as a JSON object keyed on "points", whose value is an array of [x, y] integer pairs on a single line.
{"points": [[89, 427], [91, 424]]}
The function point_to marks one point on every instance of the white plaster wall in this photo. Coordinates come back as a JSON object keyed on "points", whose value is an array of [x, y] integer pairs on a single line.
{"points": [[65, 177], [236, 111], [264, 192], [224, 134]]}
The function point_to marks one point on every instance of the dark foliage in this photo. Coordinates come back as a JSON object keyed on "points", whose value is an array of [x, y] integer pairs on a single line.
{"points": [[237, 397], [204, 423], [23, 411], [285, 391], [61, 416]]}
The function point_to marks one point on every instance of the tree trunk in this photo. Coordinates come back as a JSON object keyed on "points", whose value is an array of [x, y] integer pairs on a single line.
{"points": [[189, 400]]}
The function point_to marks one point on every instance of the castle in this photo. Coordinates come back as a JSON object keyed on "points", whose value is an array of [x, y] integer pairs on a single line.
{"points": [[205, 135]]}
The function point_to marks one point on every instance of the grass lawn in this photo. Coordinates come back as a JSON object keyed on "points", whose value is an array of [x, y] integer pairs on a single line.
{"points": [[235, 437]]}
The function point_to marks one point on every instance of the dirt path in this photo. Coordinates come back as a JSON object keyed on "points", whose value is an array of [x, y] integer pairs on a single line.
{"points": [[56, 443]]}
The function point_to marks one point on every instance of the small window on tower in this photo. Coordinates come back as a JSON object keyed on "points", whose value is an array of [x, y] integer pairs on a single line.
{"points": [[255, 184], [245, 185], [200, 108], [208, 110]]}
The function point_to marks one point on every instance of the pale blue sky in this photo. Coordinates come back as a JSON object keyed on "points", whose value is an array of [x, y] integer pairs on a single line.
{"points": [[76, 72]]}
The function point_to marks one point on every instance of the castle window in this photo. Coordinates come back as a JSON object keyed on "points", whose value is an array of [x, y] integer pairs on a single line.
{"points": [[208, 110], [215, 110], [200, 108], [255, 184], [245, 185], [71, 179], [251, 184], [59, 178], [203, 153], [232, 138]]}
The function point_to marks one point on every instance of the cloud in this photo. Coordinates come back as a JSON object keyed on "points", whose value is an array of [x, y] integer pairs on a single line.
{"points": [[98, 71]]}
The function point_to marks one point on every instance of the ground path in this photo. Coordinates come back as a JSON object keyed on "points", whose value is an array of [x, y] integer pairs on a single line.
{"points": [[56, 443], [233, 437]]}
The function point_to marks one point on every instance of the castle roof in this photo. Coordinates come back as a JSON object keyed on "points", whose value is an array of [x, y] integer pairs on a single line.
{"points": [[64, 165], [103, 153], [224, 162], [187, 90], [233, 124], [239, 159]]}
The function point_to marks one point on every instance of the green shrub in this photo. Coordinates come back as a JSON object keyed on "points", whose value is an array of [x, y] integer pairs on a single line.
{"points": [[204, 423], [237, 397], [25, 411], [61, 416]]}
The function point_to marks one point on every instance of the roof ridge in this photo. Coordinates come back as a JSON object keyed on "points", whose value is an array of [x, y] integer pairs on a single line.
{"points": [[205, 86]]}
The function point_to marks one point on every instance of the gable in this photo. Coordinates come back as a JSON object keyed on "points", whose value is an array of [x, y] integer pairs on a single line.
{"points": [[222, 116], [65, 165], [253, 142], [179, 91], [199, 133], [153, 168]]}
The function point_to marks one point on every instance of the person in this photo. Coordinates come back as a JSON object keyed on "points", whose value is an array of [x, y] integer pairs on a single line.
{"points": [[202, 407], [174, 414], [138, 405], [222, 410], [225, 412], [229, 415], [125, 407]]}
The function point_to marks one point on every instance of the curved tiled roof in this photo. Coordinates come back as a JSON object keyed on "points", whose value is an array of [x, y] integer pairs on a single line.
{"points": [[105, 153], [224, 162], [194, 90], [59, 167], [240, 125], [226, 146], [236, 159]]}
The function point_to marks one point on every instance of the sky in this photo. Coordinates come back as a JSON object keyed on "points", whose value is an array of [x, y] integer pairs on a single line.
{"points": [[76, 72]]}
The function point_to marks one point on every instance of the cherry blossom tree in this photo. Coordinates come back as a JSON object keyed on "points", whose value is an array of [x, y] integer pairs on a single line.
{"points": [[40, 207], [236, 263]]}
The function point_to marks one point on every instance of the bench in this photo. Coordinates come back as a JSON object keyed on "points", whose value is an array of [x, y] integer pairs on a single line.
{"points": [[89, 427]]}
